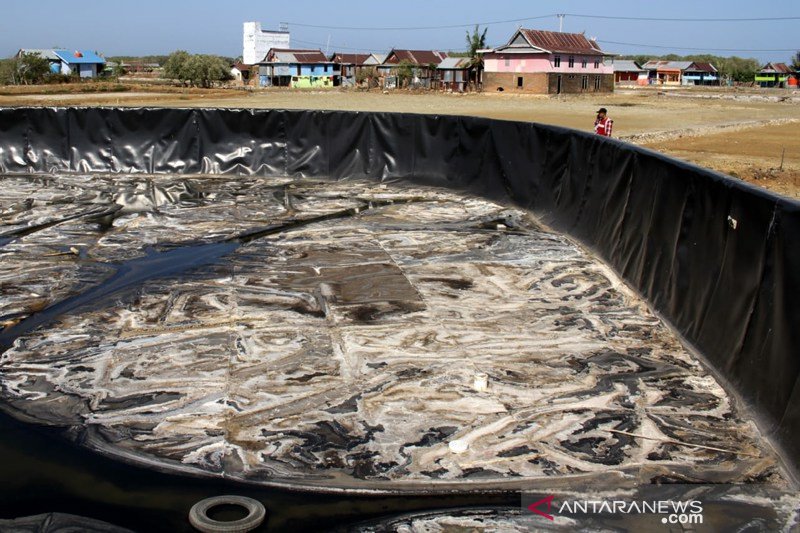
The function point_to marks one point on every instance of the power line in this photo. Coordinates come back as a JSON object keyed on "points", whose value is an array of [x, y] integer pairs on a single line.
{"points": [[660, 19], [551, 15], [700, 49], [337, 48], [412, 28]]}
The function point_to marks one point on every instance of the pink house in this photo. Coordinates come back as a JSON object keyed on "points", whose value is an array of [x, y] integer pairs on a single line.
{"points": [[548, 62]]}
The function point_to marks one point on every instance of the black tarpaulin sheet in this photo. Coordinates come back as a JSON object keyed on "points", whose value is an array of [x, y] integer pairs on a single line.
{"points": [[718, 258]]}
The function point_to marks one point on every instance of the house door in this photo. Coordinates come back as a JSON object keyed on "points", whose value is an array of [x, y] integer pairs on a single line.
{"points": [[558, 84]]}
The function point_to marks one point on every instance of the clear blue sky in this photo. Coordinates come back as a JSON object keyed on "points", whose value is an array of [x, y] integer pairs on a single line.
{"points": [[127, 27]]}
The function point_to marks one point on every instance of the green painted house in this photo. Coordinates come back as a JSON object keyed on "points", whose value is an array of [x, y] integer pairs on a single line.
{"points": [[774, 75]]}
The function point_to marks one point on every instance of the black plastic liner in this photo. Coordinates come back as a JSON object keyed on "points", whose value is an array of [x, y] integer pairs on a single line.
{"points": [[718, 258]]}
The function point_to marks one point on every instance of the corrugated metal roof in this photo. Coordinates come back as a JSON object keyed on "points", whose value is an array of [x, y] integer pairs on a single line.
{"points": [[418, 57], [666, 65], [45, 53], [776, 68], [375, 59], [553, 41], [625, 65], [350, 59], [295, 55], [77, 57], [700, 66], [454, 63]]}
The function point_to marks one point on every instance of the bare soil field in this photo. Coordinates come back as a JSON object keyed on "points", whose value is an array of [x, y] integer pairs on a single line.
{"points": [[740, 133]]}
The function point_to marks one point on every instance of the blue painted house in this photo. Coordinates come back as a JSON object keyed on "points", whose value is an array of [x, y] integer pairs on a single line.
{"points": [[298, 68], [699, 73], [82, 63]]}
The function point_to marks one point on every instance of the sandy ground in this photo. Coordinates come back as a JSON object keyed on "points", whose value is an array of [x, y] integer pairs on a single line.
{"points": [[741, 133]]}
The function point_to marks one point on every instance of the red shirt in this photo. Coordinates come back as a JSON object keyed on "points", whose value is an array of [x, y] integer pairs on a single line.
{"points": [[603, 126]]}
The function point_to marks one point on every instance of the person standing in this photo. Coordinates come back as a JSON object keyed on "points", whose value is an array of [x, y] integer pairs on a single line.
{"points": [[603, 124]]}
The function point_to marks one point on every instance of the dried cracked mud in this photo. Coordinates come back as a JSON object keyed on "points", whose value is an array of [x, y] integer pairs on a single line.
{"points": [[344, 336]]}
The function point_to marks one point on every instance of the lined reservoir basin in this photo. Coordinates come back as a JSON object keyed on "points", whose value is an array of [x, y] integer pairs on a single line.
{"points": [[345, 336]]}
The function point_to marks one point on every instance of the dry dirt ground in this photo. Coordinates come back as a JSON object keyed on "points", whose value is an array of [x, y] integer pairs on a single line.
{"points": [[742, 133]]}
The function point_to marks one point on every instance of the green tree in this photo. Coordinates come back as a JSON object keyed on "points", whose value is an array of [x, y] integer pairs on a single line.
{"points": [[175, 66], [475, 42], [204, 70], [8, 71], [405, 71], [32, 68], [366, 75], [198, 70]]}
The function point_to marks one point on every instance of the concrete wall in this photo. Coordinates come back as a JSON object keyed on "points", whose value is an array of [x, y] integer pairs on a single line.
{"points": [[541, 83], [257, 42], [573, 83], [535, 83]]}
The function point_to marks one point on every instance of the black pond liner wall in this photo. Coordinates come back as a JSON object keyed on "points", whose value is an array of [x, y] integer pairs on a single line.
{"points": [[719, 259]]}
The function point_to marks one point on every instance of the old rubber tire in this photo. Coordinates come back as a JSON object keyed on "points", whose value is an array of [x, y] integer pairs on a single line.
{"points": [[198, 515]]}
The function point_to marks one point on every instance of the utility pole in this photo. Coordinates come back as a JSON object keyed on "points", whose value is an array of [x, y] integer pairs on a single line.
{"points": [[561, 21]]}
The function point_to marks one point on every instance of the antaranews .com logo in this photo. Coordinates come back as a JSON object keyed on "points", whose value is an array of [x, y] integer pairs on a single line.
{"points": [[671, 512]]}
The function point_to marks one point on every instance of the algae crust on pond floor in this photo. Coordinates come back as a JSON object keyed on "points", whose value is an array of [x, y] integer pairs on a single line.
{"points": [[354, 336]]}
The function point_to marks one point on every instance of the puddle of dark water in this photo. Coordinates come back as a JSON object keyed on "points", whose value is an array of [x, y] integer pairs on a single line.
{"points": [[161, 264], [128, 275]]}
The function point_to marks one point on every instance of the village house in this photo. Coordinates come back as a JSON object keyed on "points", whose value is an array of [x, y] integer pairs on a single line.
{"points": [[350, 65], [775, 75], [81, 63], [241, 72], [661, 72], [699, 73], [629, 73], [547, 62], [423, 65], [297, 68], [458, 74]]}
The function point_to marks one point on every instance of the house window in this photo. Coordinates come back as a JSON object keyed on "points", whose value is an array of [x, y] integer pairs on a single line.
{"points": [[597, 83], [326, 68], [557, 61], [571, 61], [596, 63], [519, 82], [508, 62], [584, 82], [583, 63]]}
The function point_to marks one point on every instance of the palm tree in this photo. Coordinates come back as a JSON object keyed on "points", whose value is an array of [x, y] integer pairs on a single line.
{"points": [[475, 42], [796, 62]]}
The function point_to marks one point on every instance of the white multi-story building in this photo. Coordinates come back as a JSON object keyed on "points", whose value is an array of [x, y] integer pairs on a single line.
{"points": [[257, 42]]}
